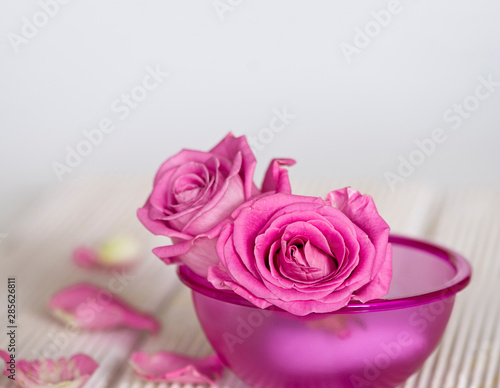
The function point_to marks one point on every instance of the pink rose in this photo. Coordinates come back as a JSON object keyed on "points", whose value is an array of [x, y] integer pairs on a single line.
{"points": [[195, 191], [305, 254]]}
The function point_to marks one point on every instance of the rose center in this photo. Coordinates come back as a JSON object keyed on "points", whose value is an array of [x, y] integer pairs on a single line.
{"points": [[302, 261], [190, 189], [187, 193]]}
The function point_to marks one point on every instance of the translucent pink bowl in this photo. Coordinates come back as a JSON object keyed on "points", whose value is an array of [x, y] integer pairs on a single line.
{"points": [[376, 344]]}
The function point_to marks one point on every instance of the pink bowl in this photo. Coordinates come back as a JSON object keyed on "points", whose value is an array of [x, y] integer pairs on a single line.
{"points": [[376, 344]]}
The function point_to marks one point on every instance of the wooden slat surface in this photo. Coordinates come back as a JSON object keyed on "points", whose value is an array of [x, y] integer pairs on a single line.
{"points": [[37, 251]]}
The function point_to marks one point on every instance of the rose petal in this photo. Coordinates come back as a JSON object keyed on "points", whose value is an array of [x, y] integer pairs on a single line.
{"points": [[221, 280], [221, 205], [362, 211], [158, 227], [198, 254], [175, 368], [118, 252], [90, 307], [239, 274], [169, 166], [381, 282], [276, 179], [85, 257], [70, 373], [228, 148], [334, 301]]}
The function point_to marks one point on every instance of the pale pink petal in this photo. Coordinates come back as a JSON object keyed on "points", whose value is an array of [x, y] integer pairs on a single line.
{"points": [[175, 368], [117, 252], [276, 179], [158, 227], [65, 372], [228, 148], [198, 254], [179, 159], [85, 257], [90, 307], [221, 205]]}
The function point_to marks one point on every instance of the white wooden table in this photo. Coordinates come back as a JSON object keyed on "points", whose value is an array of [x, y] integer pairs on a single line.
{"points": [[37, 250]]}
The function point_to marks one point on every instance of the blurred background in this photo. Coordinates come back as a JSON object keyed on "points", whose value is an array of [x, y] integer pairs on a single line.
{"points": [[401, 92]]}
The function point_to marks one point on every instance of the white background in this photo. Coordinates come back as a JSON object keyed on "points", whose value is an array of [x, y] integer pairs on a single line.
{"points": [[228, 71]]}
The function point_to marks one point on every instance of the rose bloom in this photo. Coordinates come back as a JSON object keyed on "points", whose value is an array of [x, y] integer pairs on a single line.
{"points": [[195, 191], [305, 254]]}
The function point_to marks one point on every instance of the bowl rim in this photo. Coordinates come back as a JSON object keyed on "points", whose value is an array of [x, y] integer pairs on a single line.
{"points": [[457, 283]]}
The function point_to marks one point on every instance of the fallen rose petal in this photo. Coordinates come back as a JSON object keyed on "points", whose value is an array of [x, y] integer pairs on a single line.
{"points": [[62, 373], [85, 257], [115, 253], [90, 307], [172, 367]]}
